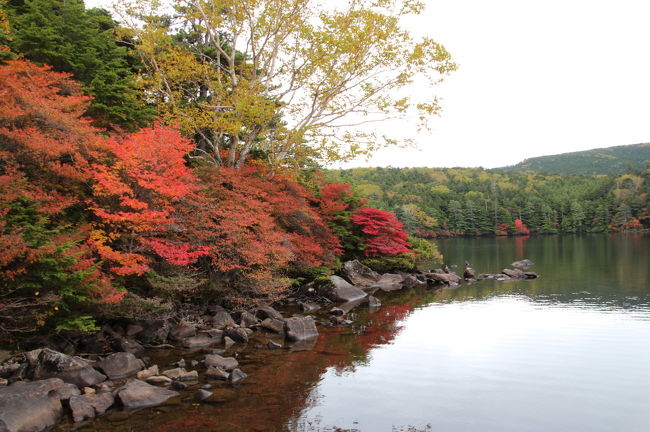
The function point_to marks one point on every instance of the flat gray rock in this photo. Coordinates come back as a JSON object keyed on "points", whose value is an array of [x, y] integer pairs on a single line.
{"points": [[225, 363], [138, 394], [338, 289], [30, 407], [120, 365]]}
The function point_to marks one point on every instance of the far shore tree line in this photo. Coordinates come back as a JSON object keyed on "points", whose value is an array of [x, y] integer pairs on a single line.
{"points": [[448, 202]]}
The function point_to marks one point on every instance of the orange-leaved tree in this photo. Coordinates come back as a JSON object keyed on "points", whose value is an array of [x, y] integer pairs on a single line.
{"points": [[45, 264], [139, 187]]}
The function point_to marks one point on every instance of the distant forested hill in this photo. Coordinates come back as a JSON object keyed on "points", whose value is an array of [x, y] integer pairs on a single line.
{"points": [[609, 160], [473, 201]]}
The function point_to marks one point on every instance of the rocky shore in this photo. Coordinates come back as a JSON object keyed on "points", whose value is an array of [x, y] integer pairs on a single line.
{"points": [[84, 376]]}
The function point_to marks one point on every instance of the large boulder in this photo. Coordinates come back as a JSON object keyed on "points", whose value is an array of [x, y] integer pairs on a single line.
{"points": [[120, 365], [89, 406], [138, 394], [74, 370], [300, 328], [30, 407], [225, 363], [339, 290], [359, 274]]}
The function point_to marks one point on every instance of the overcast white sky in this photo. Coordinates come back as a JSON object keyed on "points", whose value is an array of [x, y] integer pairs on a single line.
{"points": [[535, 78]]}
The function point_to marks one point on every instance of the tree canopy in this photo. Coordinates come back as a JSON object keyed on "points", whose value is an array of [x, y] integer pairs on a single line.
{"points": [[289, 80], [83, 42]]}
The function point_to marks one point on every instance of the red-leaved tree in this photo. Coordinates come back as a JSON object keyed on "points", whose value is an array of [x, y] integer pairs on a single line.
{"points": [[520, 227], [383, 234], [139, 188], [46, 266]]}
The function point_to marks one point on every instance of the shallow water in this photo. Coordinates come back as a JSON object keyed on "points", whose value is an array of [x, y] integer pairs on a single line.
{"points": [[566, 352]]}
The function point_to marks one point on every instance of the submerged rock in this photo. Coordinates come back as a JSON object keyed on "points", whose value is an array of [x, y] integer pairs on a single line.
{"points": [[273, 345], [216, 373], [236, 377], [374, 302], [525, 263], [201, 395]]}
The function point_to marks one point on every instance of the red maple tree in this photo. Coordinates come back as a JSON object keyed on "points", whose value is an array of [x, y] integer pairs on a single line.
{"points": [[521, 228], [384, 235]]}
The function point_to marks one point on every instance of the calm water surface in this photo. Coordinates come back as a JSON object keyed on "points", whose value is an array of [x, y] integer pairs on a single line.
{"points": [[566, 352]]}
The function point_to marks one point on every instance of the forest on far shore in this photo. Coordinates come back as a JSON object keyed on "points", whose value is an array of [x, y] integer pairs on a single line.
{"points": [[435, 202]]}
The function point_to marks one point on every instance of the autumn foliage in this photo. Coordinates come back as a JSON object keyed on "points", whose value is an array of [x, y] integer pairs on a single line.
{"points": [[520, 227], [86, 216], [384, 235]]}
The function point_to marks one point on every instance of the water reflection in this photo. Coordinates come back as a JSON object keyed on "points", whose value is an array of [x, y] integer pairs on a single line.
{"points": [[565, 352]]}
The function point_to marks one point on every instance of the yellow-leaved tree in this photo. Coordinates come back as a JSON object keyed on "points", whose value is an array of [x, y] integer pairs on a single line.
{"points": [[288, 80]]}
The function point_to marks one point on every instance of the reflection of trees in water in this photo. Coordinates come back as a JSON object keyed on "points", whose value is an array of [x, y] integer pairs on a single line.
{"points": [[611, 270], [281, 384]]}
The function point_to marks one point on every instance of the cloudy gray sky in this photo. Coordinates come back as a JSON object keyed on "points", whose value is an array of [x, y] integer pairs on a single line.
{"points": [[535, 78]]}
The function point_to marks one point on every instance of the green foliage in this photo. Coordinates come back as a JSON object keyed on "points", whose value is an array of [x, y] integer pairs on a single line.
{"points": [[403, 262], [66, 36], [85, 323], [436, 202], [301, 276], [609, 160], [425, 250], [49, 274]]}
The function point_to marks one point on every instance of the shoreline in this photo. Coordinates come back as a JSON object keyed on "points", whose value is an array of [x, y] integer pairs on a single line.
{"points": [[85, 385]]}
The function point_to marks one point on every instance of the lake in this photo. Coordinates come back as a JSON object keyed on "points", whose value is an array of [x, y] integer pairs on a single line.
{"points": [[566, 352]]}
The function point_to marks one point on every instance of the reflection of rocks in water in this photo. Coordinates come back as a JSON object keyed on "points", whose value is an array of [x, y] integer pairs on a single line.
{"points": [[302, 345]]}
